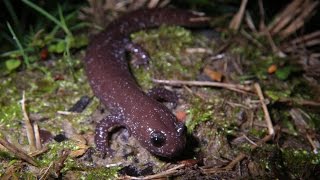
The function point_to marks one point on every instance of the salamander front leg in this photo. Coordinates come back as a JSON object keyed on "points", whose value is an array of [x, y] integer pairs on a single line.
{"points": [[163, 95], [101, 138], [142, 57]]}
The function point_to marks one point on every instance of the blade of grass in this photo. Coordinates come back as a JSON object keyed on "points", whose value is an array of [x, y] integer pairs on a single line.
{"points": [[62, 24], [68, 41], [15, 38], [62, 20], [47, 15], [13, 15]]}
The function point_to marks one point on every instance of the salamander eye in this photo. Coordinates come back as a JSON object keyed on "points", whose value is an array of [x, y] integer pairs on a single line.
{"points": [[158, 138]]}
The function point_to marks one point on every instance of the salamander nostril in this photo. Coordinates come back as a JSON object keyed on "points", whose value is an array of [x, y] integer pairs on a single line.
{"points": [[157, 138]]}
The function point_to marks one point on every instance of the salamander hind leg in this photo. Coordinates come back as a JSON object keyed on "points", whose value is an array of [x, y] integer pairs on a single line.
{"points": [[101, 138], [163, 95]]}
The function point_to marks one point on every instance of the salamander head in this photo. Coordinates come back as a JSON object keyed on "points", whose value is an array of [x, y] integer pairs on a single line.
{"points": [[163, 135], [167, 144]]}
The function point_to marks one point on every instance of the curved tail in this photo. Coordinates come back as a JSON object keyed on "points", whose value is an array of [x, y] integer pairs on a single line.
{"points": [[149, 18]]}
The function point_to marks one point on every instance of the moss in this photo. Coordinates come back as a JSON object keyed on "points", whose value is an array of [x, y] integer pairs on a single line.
{"points": [[44, 95], [198, 113], [53, 154], [9, 115], [77, 120], [144, 77], [276, 95], [165, 46], [300, 162], [102, 173], [260, 133]]}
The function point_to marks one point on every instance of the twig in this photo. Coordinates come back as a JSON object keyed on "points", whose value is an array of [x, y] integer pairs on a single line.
{"points": [[153, 3], [194, 93], [216, 57], [17, 152], [285, 17], [200, 19], [159, 175], [252, 39], [312, 143], [292, 17], [67, 113], [233, 87], [262, 24], [30, 132], [10, 171], [236, 20], [266, 32], [299, 21], [239, 158], [37, 136], [232, 104], [46, 173], [250, 23], [302, 102], [198, 50], [249, 140], [59, 164], [55, 167], [39, 151], [305, 38], [265, 109], [302, 42]]}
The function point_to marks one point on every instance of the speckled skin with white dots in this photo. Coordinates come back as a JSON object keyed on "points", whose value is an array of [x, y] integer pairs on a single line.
{"points": [[149, 121]]}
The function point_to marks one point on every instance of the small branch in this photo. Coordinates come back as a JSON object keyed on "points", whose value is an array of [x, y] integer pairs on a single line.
{"points": [[163, 174], [11, 171], [250, 23], [262, 24], [249, 140], [292, 17], [233, 87], [46, 172], [299, 21], [199, 50], [265, 109], [30, 132], [304, 41], [266, 32], [285, 17], [59, 164], [39, 151], [239, 158], [301, 102], [17, 152], [153, 3], [313, 144], [67, 113], [236, 20], [37, 136], [56, 166]]}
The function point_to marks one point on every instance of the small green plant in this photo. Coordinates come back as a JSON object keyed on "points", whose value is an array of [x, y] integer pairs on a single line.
{"points": [[60, 23], [30, 45]]}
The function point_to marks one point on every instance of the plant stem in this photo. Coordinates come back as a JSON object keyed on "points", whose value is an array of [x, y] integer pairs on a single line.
{"points": [[15, 38]]}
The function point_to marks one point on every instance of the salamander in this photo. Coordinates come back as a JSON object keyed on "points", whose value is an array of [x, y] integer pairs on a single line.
{"points": [[148, 120]]}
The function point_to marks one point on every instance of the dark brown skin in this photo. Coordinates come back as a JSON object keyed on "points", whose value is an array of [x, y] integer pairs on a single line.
{"points": [[150, 122]]}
